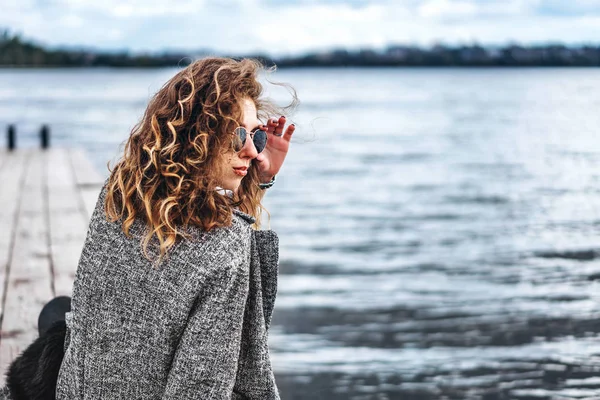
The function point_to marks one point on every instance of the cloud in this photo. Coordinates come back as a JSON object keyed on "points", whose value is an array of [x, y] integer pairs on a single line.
{"points": [[447, 8], [583, 8], [473, 9], [293, 26]]}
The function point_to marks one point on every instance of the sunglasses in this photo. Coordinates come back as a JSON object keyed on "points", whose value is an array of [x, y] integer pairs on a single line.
{"points": [[258, 136]]}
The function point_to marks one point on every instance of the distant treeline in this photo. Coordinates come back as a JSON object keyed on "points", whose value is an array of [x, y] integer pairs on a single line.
{"points": [[17, 52], [462, 56]]}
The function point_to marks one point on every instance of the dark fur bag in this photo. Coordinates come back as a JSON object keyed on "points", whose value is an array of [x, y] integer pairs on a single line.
{"points": [[33, 374]]}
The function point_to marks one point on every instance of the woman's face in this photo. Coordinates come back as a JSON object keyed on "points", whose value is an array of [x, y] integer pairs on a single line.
{"points": [[237, 164]]}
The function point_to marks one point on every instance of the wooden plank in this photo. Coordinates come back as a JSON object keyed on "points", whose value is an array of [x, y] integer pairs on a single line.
{"points": [[3, 157], [85, 173], [29, 276], [42, 239], [67, 221], [89, 181], [11, 182]]}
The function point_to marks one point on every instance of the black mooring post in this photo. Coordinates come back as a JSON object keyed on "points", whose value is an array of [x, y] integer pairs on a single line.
{"points": [[11, 137], [45, 136]]}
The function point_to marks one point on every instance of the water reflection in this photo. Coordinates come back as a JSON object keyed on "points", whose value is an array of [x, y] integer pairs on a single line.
{"points": [[439, 229]]}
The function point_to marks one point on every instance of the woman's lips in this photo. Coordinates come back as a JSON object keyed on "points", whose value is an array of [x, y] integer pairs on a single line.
{"points": [[242, 171]]}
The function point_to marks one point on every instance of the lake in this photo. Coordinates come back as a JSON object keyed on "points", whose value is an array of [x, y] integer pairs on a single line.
{"points": [[439, 228]]}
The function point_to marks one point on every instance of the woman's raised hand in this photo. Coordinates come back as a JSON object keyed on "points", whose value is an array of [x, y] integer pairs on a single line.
{"points": [[270, 160]]}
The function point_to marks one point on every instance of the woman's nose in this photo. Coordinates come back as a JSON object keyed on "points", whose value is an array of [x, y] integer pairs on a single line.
{"points": [[249, 150]]}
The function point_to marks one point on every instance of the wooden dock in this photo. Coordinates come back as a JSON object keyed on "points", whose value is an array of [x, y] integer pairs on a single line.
{"points": [[46, 200]]}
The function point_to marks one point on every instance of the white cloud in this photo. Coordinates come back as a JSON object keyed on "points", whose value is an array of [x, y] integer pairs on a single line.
{"points": [[322, 26], [465, 9], [244, 26], [72, 21], [447, 8]]}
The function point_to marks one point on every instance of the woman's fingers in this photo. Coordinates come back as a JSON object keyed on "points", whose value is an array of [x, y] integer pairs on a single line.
{"points": [[276, 127], [272, 124], [289, 131], [279, 127]]}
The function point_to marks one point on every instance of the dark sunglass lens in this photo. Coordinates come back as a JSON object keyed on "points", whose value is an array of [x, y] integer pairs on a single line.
{"points": [[239, 139], [260, 140]]}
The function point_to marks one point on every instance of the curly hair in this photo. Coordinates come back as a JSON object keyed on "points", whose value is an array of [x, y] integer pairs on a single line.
{"points": [[167, 174]]}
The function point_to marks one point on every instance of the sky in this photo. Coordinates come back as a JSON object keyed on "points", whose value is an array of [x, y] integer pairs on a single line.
{"points": [[291, 27]]}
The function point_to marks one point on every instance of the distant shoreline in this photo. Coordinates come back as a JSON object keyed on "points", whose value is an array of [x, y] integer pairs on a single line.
{"points": [[18, 53]]}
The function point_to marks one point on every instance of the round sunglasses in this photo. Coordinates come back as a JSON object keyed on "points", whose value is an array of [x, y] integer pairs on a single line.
{"points": [[258, 136]]}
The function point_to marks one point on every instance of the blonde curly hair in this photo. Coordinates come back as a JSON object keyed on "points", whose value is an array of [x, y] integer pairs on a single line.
{"points": [[167, 174]]}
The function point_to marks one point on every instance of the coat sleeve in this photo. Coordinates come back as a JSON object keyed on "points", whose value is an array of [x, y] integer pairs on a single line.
{"points": [[5, 394], [205, 362], [267, 252]]}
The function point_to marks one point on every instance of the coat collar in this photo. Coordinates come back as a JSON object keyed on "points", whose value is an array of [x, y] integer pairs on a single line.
{"points": [[246, 217]]}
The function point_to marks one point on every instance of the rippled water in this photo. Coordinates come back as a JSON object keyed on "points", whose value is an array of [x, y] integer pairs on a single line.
{"points": [[439, 229]]}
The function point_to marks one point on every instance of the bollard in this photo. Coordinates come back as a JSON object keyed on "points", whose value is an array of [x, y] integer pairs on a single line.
{"points": [[45, 136], [11, 137]]}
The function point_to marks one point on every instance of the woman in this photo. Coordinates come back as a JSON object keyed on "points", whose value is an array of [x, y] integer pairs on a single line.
{"points": [[175, 287]]}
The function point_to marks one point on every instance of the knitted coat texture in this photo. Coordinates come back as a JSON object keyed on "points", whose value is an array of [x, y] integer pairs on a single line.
{"points": [[196, 327]]}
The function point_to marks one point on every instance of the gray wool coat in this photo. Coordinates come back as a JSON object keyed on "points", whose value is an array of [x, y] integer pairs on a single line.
{"points": [[196, 328]]}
